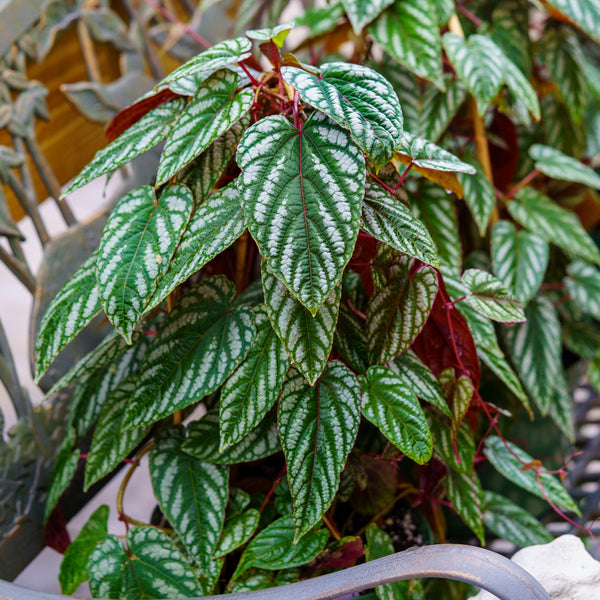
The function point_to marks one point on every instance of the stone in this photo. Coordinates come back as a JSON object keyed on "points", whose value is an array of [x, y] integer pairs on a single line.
{"points": [[563, 567]]}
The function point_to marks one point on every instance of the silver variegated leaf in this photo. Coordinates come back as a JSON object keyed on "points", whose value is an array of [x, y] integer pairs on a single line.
{"points": [[77, 303], [585, 14], [203, 441], [456, 451], [359, 100], [422, 380], [397, 312], [465, 492], [192, 494], [436, 209], [479, 196], [389, 221], [214, 226], [488, 296], [110, 444], [509, 460], [275, 547], [350, 339], [137, 245], [62, 472], [583, 285], [237, 531], [424, 153], [554, 163], [254, 386], [317, 426], [525, 96], [410, 32], [302, 191], [228, 52], [438, 109], [200, 344], [519, 259], [216, 107], [143, 135], [406, 88], [362, 12], [511, 522], [479, 63], [150, 567], [307, 339], [389, 402], [535, 349], [552, 222]]}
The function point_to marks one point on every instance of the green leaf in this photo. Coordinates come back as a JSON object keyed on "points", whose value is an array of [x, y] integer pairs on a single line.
{"points": [[459, 392], [407, 89], [585, 14], [519, 258], [523, 92], [479, 196], [554, 163], [215, 108], [201, 343], [409, 31], [350, 339], [424, 153], [560, 131], [397, 313], [488, 296], [302, 193], [362, 12], [317, 426], [192, 494], [143, 135], [150, 567], [254, 386], [110, 444], [562, 409], [439, 108], [276, 34], [535, 349], [422, 380], [511, 522], [479, 63], [320, 20], [389, 402], [109, 349], [138, 242], [460, 457], [228, 52], [62, 472], [73, 568], [215, 225], [553, 223], [237, 531], [583, 285], [378, 545], [275, 548], [509, 460], [389, 221], [465, 492], [77, 303], [203, 441], [359, 100], [437, 210], [307, 339]]}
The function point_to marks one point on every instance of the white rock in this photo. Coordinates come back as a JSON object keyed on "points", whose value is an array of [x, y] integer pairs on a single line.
{"points": [[563, 567]]}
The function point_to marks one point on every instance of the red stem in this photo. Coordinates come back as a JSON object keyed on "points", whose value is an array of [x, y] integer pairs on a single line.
{"points": [[527, 179], [250, 76], [473, 18], [408, 168]]}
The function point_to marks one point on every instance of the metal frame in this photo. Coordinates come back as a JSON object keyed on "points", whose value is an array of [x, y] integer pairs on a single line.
{"points": [[477, 566]]}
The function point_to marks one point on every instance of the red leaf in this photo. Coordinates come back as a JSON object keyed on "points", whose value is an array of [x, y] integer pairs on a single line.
{"points": [[133, 113], [430, 475], [362, 259], [504, 159], [56, 535], [446, 341], [343, 557]]}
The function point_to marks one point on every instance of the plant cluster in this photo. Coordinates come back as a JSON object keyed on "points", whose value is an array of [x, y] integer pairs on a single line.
{"points": [[298, 269]]}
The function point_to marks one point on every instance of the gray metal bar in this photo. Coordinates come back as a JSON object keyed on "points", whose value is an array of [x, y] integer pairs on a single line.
{"points": [[477, 566]]}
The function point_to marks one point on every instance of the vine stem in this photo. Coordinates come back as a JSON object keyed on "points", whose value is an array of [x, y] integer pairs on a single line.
{"points": [[332, 528], [481, 143], [171, 17], [527, 179]]}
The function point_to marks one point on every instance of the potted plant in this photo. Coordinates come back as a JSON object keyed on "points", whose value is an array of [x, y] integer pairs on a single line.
{"points": [[298, 269]]}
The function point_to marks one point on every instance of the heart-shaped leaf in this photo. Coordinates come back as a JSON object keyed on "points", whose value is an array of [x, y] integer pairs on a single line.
{"points": [[302, 191], [554, 163]]}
